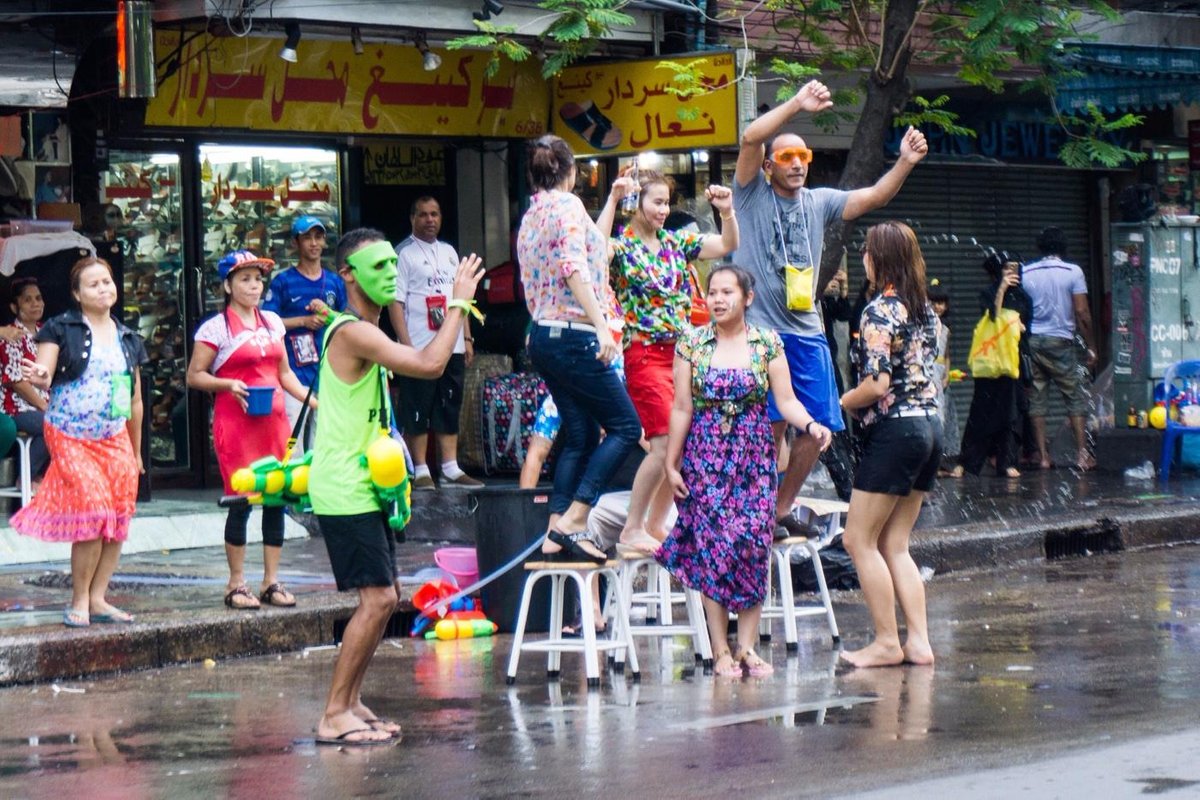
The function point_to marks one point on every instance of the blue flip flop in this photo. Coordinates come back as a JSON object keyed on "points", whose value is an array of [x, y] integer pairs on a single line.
{"points": [[75, 619]]}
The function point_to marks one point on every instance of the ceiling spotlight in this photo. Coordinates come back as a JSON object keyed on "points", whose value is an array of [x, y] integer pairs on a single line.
{"points": [[430, 60], [356, 40], [490, 7], [288, 51]]}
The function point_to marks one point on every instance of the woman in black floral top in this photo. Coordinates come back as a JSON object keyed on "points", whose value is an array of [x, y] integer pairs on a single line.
{"points": [[896, 402]]}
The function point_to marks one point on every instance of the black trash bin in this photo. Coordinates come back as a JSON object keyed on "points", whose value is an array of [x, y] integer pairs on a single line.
{"points": [[507, 520]]}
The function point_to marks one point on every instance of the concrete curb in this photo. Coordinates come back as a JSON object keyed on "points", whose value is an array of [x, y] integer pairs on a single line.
{"points": [[50, 654]]}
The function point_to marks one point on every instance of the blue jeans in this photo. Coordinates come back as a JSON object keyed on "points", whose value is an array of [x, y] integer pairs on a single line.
{"points": [[589, 396]]}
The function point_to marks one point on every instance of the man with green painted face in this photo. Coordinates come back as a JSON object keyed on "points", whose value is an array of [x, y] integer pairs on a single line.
{"points": [[354, 408]]}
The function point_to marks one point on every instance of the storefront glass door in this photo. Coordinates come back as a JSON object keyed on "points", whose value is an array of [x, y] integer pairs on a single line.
{"points": [[143, 214]]}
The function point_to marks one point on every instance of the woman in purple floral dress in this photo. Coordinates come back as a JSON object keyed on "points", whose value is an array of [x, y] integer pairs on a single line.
{"points": [[721, 464]]}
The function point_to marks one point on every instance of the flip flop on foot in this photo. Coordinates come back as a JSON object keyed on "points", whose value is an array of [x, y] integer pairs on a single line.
{"points": [[362, 737], [725, 666], [276, 595], [575, 547], [385, 726], [75, 619], [113, 616], [242, 599], [753, 664]]}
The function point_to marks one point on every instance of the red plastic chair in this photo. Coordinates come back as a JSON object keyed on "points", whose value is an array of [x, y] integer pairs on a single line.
{"points": [[1173, 383]]}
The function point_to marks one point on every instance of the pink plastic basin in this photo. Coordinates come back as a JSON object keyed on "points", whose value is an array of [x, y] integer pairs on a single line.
{"points": [[459, 562]]}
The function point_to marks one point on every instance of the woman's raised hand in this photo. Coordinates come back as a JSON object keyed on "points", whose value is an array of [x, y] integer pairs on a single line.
{"points": [[622, 187], [466, 279], [721, 198]]}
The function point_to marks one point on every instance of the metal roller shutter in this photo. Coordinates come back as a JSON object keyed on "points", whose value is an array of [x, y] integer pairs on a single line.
{"points": [[960, 211]]}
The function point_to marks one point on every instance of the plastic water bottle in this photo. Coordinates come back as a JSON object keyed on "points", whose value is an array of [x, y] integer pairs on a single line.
{"points": [[629, 203]]}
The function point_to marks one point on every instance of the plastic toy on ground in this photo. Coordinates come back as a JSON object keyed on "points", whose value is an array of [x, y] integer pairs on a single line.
{"points": [[447, 629]]}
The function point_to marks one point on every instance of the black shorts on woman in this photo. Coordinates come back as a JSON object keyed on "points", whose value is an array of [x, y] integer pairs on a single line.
{"points": [[900, 454]]}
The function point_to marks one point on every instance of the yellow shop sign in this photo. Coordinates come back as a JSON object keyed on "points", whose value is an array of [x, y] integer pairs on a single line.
{"points": [[242, 83], [624, 107]]}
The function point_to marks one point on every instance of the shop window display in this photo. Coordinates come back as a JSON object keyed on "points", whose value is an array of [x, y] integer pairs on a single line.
{"points": [[249, 196], [141, 213]]}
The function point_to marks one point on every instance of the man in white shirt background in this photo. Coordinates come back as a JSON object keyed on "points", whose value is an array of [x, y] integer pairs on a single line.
{"points": [[426, 271]]}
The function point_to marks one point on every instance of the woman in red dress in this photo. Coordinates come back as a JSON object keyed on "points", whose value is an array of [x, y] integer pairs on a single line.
{"points": [[242, 347]]}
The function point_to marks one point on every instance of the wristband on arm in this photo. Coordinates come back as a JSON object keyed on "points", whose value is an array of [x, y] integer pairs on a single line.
{"points": [[467, 307]]}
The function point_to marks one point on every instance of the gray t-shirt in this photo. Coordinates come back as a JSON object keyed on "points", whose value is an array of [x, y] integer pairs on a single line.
{"points": [[760, 251]]}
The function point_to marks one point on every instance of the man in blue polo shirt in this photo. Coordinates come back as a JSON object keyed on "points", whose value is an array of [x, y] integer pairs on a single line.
{"points": [[782, 224], [302, 296]]}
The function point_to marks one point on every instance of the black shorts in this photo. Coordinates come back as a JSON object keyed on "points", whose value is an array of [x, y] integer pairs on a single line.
{"points": [[432, 405], [900, 454], [362, 550]]}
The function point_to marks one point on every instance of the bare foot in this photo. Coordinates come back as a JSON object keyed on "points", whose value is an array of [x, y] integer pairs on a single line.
{"points": [[638, 539], [957, 472], [378, 723], [1012, 472], [919, 653], [874, 655], [351, 727], [1085, 461]]}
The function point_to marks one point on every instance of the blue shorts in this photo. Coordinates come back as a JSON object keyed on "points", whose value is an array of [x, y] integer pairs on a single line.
{"points": [[547, 422], [813, 381]]}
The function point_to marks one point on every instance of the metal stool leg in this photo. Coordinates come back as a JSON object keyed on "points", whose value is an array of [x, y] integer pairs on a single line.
{"points": [[700, 640], [787, 600], [557, 601], [622, 629], [764, 621], [815, 555], [587, 614], [519, 633]]}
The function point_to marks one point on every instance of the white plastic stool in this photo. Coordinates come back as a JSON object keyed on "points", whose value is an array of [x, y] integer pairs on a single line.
{"points": [[658, 597], [584, 575], [786, 608], [23, 488], [696, 627]]}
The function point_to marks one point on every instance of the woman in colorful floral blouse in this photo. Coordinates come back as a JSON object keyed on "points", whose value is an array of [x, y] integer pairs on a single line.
{"points": [[896, 401], [721, 464], [20, 399], [654, 289], [564, 271]]}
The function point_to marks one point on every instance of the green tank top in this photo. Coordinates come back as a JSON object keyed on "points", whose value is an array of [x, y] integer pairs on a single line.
{"points": [[339, 484]]}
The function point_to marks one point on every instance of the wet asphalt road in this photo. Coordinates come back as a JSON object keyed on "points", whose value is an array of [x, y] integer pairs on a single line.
{"points": [[1066, 679]]}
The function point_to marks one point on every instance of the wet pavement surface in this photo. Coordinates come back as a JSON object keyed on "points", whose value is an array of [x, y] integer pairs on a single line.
{"points": [[174, 582], [1054, 679]]}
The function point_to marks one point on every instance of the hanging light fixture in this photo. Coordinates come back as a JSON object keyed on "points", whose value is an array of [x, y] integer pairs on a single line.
{"points": [[288, 51], [490, 8], [430, 60]]}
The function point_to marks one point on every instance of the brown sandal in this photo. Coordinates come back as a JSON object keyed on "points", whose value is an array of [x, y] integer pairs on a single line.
{"points": [[241, 599], [276, 595]]}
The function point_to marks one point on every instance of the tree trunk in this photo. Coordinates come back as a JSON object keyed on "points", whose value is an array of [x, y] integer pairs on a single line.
{"points": [[886, 96]]}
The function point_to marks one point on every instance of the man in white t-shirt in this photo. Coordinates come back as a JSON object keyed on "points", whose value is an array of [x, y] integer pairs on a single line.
{"points": [[425, 276], [1060, 310]]}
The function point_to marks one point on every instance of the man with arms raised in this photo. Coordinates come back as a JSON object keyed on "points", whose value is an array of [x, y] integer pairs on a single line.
{"points": [[782, 234]]}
